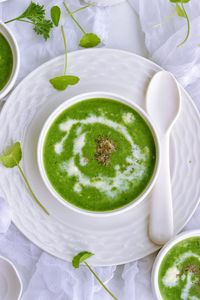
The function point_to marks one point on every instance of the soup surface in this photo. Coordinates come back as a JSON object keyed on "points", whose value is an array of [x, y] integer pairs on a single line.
{"points": [[99, 154], [6, 61], [179, 274]]}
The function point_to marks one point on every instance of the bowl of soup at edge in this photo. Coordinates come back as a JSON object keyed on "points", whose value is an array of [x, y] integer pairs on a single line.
{"points": [[9, 60], [98, 153], [176, 270]]}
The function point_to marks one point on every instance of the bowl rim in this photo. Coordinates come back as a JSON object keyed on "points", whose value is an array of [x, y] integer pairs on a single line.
{"points": [[8, 35], [167, 247], [84, 97], [16, 272]]}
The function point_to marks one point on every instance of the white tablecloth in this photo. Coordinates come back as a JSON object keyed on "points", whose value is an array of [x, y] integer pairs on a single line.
{"points": [[45, 277]]}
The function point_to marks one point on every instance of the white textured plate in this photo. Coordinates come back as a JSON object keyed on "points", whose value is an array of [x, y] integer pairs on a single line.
{"points": [[114, 240]]}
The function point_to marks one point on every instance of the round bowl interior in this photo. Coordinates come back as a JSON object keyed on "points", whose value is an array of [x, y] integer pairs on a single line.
{"points": [[16, 59], [155, 270], [71, 102]]}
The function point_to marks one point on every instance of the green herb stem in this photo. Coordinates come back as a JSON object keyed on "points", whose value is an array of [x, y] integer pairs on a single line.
{"points": [[9, 21], [83, 7], [99, 280], [20, 20], [73, 18], [65, 45], [30, 189], [188, 25]]}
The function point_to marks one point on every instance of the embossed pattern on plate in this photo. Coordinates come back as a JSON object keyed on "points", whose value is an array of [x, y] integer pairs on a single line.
{"points": [[114, 240]]}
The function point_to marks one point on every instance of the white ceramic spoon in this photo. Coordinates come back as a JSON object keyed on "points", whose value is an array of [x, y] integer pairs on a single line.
{"points": [[163, 106]]}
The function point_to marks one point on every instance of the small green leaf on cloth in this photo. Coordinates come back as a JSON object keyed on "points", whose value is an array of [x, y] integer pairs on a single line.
{"points": [[89, 40], [55, 15], [80, 258]]}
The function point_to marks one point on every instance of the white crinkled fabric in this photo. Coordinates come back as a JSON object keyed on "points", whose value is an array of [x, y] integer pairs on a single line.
{"points": [[104, 2], [46, 277]]}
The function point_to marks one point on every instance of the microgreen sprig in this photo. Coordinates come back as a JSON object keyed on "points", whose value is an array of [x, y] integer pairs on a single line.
{"points": [[181, 12], [10, 159], [62, 82], [35, 15], [81, 257], [88, 40]]}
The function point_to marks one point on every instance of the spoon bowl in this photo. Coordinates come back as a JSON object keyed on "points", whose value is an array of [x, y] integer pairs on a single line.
{"points": [[163, 100]]}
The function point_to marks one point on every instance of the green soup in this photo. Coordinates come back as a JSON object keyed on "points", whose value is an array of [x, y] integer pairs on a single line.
{"points": [[99, 154], [179, 274], [6, 61]]}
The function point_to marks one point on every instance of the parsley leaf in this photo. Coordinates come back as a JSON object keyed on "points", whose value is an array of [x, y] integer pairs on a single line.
{"points": [[43, 28], [89, 40], [81, 257], [55, 15], [35, 15], [33, 12], [10, 159]]}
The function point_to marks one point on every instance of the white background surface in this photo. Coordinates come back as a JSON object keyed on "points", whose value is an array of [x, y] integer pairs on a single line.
{"points": [[45, 277]]}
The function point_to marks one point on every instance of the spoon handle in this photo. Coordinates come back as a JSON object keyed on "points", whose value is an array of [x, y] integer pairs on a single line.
{"points": [[161, 226]]}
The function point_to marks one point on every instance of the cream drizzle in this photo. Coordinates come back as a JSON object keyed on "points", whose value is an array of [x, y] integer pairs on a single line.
{"points": [[111, 186], [172, 277]]}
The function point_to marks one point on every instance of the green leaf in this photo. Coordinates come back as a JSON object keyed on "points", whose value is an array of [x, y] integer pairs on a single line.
{"points": [[35, 15], [10, 159], [12, 156], [179, 1], [55, 15], [180, 11], [80, 258], [33, 12], [43, 28], [89, 40], [62, 82]]}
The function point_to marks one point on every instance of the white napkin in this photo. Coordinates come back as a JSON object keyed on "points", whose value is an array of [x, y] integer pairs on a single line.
{"points": [[162, 41], [105, 2], [5, 215]]}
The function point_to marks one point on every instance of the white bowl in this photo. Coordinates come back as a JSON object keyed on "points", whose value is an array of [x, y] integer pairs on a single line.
{"points": [[57, 112], [5, 31], [10, 282], [155, 270]]}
